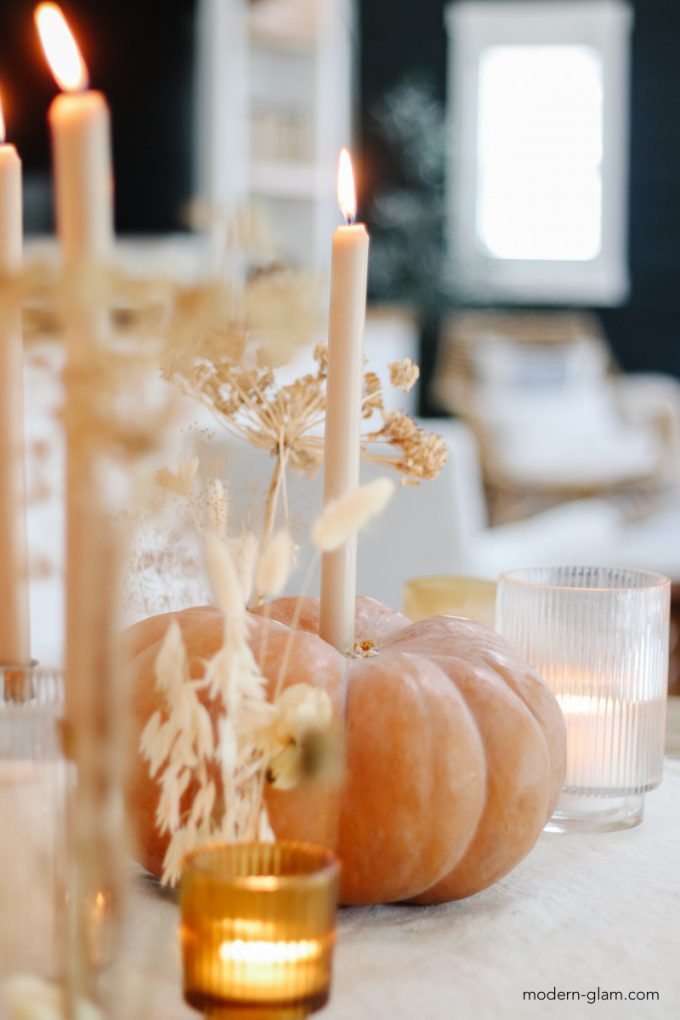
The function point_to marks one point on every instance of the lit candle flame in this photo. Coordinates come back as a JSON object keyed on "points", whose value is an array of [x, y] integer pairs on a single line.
{"points": [[61, 49], [2, 124], [347, 194], [240, 953]]}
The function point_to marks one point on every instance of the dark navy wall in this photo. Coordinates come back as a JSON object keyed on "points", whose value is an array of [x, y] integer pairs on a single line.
{"points": [[396, 40], [646, 332], [141, 54]]}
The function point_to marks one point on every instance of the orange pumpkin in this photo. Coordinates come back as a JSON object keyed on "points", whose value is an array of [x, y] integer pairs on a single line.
{"points": [[455, 749]]}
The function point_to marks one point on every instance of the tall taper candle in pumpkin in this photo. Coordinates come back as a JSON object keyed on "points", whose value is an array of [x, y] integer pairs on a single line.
{"points": [[14, 619], [349, 275], [80, 127]]}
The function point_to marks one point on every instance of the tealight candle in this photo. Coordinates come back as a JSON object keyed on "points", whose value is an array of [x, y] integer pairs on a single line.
{"points": [[258, 929]]}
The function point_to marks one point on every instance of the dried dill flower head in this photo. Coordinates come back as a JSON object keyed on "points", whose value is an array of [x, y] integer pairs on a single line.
{"points": [[286, 420]]}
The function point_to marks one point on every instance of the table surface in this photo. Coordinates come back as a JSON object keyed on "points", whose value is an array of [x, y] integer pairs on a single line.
{"points": [[581, 913], [588, 914]]}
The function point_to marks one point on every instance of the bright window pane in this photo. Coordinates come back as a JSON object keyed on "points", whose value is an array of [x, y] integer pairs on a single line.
{"points": [[540, 153]]}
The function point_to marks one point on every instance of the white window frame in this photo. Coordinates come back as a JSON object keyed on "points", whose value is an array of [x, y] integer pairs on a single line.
{"points": [[473, 27]]}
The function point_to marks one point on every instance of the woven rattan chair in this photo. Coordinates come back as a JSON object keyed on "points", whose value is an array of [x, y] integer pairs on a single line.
{"points": [[547, 371]]}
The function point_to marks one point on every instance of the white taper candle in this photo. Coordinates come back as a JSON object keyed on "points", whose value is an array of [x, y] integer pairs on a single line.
{"points": [[14, 616], [79, 123], [80, 128], [347, 319], [81, 149]]}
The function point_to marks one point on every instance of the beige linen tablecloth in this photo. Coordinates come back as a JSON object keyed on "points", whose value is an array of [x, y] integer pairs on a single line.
{"points": [[581, 913]]}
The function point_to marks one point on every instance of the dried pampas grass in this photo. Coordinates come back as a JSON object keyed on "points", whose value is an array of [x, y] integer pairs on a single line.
{"points": [[222, 724], [181, 481], [343, 517], [245, 551], [275, 564], [217, 507], [223, 575]]}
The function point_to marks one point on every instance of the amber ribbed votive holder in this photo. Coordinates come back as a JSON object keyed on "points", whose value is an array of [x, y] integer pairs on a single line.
{"points": [[258, 929]]}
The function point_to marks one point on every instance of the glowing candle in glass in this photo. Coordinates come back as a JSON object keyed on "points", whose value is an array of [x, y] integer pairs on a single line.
{"points": [[258, 929], [599, 636]]}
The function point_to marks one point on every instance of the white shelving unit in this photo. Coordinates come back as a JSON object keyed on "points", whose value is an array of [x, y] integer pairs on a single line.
{"points": [[274, 108], [283, 179]]}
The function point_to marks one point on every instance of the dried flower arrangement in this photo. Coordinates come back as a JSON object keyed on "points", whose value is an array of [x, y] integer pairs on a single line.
{"points": [[285, 420], [212, 778], [219, 738], [254, 740], [245, 327], [116, 329]]}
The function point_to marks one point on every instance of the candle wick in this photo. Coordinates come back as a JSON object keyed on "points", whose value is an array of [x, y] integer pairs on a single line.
{"points": [[350, 219]]}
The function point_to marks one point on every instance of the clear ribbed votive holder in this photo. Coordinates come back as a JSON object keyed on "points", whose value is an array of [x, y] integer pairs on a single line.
{"points": [[599, 636], [35, 779], [258, 929]]}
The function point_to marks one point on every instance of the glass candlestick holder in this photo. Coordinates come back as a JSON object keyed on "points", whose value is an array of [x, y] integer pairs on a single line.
{"points": [[599, 637], [258, 929], [35, 778]]}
